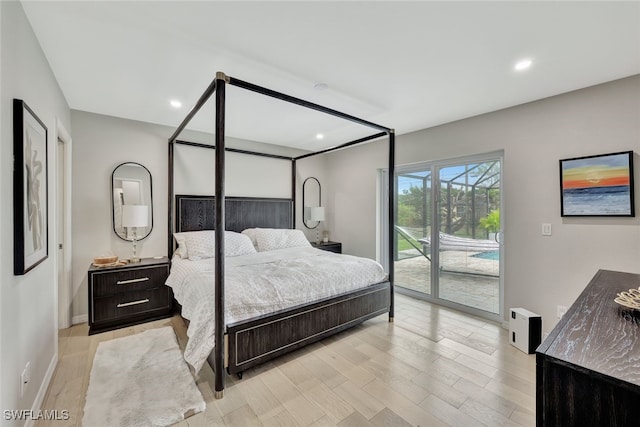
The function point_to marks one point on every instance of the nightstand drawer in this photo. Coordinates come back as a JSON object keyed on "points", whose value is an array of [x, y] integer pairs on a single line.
{"points": [[130, 304], [130, 294], [130, 280]]}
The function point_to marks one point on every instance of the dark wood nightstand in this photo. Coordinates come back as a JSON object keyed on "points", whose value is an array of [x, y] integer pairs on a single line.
{"points": [[130, 294], [329, 246]]}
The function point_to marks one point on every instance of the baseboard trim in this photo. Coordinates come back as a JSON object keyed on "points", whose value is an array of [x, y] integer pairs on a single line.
{"points": [[83, 318], [42, 392]]}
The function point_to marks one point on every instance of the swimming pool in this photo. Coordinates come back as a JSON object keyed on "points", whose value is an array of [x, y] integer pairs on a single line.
{"points": [[492, 255]]}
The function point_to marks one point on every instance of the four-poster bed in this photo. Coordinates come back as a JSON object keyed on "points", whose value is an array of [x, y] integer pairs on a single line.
{"points": [[249, 342]]}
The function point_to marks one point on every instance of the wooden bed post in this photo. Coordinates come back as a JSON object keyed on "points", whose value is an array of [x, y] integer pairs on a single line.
{"points": [[170, 201], [219, 238], [392, 218], [293, 193]]}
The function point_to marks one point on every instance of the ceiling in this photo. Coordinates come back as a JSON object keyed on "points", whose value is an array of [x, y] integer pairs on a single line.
{"points": [[405, 65]]}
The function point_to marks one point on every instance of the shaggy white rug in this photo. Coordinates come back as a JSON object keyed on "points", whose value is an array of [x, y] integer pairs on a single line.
{"points": [[141, 380]]}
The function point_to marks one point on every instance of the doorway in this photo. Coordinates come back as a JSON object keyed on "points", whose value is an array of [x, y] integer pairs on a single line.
{"points": [[448, 233], [63, 225]]}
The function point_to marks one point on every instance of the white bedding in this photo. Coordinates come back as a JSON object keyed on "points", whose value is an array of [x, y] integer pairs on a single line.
{"points": [[261, 283]]}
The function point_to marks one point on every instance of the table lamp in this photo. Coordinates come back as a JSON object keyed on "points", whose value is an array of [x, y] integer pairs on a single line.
{"points": [[317, 214], [134, 216]]}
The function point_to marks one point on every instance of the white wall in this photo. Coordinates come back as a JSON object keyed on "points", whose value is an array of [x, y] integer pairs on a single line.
{"points": [[1, 218], [540, 272], [102, 142], [352, 177], [195, 173], [28, 325]]}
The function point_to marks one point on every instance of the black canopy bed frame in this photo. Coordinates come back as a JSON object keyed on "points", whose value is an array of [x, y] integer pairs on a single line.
{"points": [[244, 344]]}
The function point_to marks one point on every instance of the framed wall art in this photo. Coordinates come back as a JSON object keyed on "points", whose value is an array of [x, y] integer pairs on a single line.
{"points": [[30, 189], [600, 185]]}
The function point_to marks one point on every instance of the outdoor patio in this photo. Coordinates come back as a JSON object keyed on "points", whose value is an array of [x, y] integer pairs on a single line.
{"points": [[464, 278]]}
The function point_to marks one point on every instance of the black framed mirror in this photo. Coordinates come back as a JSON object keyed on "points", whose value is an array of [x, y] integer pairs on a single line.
{"points": [[131, 201], [312, 203]]}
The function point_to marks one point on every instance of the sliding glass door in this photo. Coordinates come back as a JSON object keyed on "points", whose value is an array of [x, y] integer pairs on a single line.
{"points": [[448, 231], [413, 230]]}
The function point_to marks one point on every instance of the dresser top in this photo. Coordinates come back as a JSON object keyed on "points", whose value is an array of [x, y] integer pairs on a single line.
{"points": [[144, 262], [598, 334]]}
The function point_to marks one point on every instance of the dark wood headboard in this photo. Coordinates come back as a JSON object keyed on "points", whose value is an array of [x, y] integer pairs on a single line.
{"points": [[198, 213]]}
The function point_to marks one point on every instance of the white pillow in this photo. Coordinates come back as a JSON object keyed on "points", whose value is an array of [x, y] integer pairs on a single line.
{"points": [[181, 250], [269, 239], [197, 245], [251, 233], [236, 244]]}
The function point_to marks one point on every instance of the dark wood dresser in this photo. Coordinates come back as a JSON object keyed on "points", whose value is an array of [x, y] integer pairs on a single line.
{"points": [[328, 246], [588, 368], [127, 295]]}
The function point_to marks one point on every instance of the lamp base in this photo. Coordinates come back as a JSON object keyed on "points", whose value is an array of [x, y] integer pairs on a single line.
{"points": [[134, 259]]}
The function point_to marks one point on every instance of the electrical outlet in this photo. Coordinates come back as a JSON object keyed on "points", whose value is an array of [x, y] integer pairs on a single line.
{"points": [[25, 377], [562, 310]]}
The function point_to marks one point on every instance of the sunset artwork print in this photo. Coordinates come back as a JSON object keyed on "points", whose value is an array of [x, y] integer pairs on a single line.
{"points": [[597, 185]]}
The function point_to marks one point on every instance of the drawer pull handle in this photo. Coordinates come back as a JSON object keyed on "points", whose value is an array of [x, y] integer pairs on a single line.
{"points": [[126, 282], [127, 304]]}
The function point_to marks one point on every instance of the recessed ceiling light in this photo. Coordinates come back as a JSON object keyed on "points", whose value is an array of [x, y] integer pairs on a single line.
{"points": [[319, 136], [321, 86], [523, 65], [175, 103]]}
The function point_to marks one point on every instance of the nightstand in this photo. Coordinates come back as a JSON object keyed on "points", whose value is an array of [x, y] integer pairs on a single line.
{"points": [[329, 246], [130, 294]]}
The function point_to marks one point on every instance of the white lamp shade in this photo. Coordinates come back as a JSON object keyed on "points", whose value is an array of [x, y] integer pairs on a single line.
{"points": [[316, 214], [135, 215]]}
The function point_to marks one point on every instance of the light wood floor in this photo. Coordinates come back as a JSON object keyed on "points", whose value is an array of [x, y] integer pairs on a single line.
{"points": [[432, 367]]}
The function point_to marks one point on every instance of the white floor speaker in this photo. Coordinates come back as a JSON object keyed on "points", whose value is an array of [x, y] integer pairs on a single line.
{"points": [[525, 329]]}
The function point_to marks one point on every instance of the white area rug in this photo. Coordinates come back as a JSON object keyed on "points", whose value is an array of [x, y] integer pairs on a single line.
{"points": [[141, 380]]}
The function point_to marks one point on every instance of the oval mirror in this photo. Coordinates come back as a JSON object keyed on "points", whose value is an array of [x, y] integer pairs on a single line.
{"points": [[132, 202], [312, 203]]}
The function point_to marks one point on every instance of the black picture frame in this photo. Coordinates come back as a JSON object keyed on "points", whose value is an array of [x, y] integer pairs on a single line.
{"points": [[30, 189], [597, 186]]}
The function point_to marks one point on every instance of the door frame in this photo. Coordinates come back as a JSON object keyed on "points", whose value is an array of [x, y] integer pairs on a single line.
{"points": [[64, 290], [437, 165]]}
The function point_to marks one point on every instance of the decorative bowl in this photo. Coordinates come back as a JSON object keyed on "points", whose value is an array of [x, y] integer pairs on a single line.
{"points": [[630, 299], [104, 260]]}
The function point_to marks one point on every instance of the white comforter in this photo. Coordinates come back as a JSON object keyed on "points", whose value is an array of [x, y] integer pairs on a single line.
{"points": [[261, 283]]}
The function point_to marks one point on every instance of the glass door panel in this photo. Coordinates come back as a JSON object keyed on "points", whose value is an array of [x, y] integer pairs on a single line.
{"points": [[469, 221], [413, 231]]}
